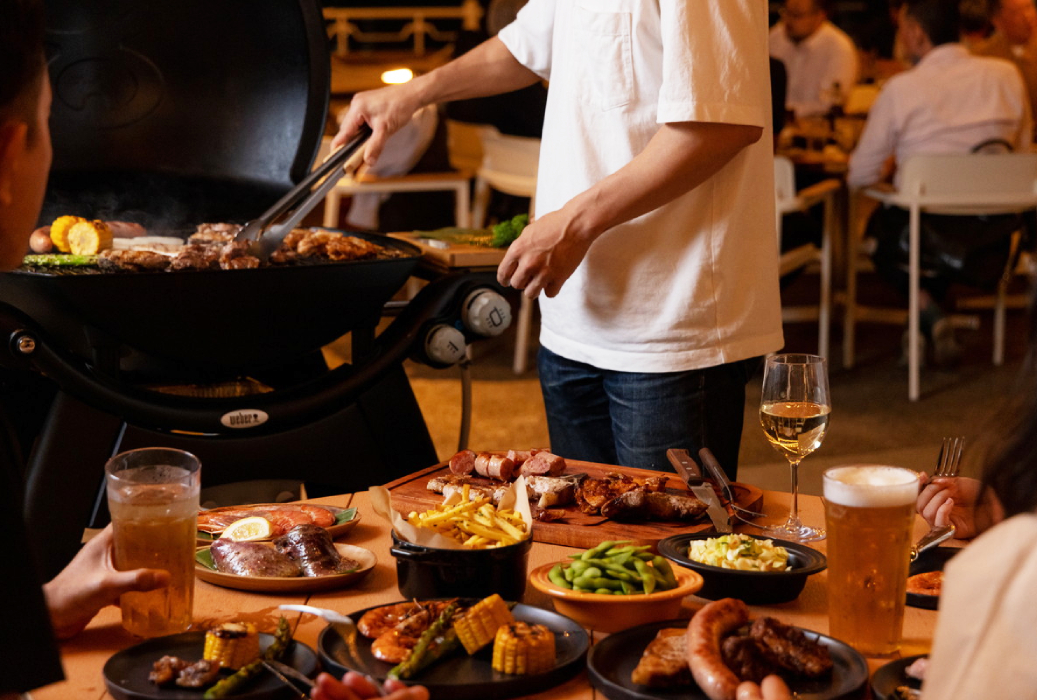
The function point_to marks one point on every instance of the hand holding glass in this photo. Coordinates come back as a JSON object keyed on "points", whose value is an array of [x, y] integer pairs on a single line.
{"points": [[794, 410], [153, 499]]}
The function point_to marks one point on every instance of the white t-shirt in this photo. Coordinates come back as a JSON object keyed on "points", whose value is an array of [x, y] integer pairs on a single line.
{"points": [[693, 283], [826, 57], [986, 633], [949, 103]]}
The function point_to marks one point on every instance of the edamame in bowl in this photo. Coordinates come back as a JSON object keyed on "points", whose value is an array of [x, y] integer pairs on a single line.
{"points": [[615, 586], [751, 571]]}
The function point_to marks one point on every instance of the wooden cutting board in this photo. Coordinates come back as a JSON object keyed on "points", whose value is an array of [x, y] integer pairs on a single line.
{"points": [[577, 529], [454, 254]]}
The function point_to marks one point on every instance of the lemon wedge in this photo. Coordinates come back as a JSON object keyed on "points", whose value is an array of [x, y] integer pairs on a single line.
{"points": [[248, 529]]}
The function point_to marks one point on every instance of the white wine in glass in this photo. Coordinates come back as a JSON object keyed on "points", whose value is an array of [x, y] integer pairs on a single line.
{"points": [[794, 410]]}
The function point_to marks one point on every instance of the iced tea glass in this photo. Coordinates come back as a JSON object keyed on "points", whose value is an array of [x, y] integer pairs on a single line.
{"points": [[869, 514], [153, 500]]}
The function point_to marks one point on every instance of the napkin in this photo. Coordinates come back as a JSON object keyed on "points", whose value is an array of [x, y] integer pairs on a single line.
{"points": [[515, 497]]}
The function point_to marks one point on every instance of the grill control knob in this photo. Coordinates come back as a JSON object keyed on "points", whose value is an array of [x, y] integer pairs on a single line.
{"points": [[445, 345], [486, 312]]}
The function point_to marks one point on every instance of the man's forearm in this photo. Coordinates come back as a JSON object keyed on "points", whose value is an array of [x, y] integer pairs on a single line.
{"points": [[679, 158], [488, 69]]}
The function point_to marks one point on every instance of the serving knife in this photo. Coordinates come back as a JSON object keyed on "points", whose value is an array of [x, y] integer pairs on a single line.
{"points": [[689, 472]]}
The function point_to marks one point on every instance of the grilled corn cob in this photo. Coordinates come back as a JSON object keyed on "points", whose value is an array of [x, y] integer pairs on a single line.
{"points": [[89, 237], [232, 644], [478, 626], [521, 648], [59, 231]]}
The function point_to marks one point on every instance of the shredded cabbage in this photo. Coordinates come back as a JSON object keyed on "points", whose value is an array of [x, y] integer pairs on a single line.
{"points": [[739, 552]]}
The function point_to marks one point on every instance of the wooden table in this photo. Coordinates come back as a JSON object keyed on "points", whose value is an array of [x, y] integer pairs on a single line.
{"points": [[85, 655]]}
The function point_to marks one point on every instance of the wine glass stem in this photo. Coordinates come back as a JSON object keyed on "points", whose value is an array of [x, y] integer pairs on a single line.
{"points": [[794, 508]]}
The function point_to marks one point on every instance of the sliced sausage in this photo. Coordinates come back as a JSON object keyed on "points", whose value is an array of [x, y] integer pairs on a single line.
{"points": [[462, 463], [543, 464], [494, 466]]}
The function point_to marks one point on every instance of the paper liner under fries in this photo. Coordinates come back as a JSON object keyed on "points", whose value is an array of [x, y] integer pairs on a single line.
{"points": [[515, 497]]}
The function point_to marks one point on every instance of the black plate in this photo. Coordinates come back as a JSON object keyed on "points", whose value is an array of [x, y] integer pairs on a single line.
{"points": [[755, 587], [126, 673], [931, 560], [612, 660], [888, 677], [463, 677]]}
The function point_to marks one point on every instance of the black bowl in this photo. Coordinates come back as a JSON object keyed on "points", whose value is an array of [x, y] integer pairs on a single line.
{"points": [[426, 572], [756, 587], [930, 560]]}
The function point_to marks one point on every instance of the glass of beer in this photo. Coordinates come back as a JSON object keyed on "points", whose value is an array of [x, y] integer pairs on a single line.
{"points": [[870, 512], [794, 409], [153, 499]]}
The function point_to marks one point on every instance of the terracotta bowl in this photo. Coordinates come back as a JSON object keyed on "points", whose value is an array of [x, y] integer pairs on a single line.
{"points": [[612, 613]]}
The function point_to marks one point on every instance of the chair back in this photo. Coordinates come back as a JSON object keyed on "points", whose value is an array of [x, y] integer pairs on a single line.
{"points": [[464, 144], [509, 163], [977, 183]]}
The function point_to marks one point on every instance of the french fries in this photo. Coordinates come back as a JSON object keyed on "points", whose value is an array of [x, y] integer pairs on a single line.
{"points": [[474, 523]]}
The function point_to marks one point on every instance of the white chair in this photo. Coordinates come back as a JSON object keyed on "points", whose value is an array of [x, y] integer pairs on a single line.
{"points": [[464, 144], [788, 200], [509, 165], [457, 181], [973, 184]]}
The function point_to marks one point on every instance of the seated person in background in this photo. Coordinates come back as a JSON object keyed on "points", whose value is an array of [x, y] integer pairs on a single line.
{"points": [[818, 56], [876, 39], [1014, 39], [950, 102], [975, 23], [986, 632]]}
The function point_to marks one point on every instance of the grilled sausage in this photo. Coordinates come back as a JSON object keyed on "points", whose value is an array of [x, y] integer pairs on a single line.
{"points": [[494, 466], [542, 463], [705, 632], [39, 241], [462, 463]]}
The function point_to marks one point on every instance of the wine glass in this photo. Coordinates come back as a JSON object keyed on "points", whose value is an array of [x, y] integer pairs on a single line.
{"points": [[794, 411]]}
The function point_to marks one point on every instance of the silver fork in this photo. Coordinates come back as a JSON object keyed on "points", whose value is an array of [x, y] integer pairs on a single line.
{"points": [[709, 461], [947, 463]]}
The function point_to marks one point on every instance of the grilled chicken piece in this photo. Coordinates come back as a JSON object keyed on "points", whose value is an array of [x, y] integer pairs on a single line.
{"points": [[551, 491], [132, 260], [200, 674], [166, 669], [214, 233], [196, 256], [664, 663], [592, 494], [352, 248], [235, 256], [438, 484], [653, 505]]}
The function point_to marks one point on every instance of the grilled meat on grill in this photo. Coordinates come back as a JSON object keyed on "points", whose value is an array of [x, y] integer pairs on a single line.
{"points": [[214, 233], [196, 256], [235, 256], [132, 260]]}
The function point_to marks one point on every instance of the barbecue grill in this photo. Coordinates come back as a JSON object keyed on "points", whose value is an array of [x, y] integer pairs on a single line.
{"points": [[174, 114]]}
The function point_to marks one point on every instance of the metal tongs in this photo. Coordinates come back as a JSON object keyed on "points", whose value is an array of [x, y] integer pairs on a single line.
{"points": [[264, 236]]}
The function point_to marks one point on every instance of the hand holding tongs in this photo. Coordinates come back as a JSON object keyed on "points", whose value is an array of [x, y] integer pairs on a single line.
{"points": [[303, 197]]}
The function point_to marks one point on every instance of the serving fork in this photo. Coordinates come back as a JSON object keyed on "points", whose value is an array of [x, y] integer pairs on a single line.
{"points": [[947, 462], [709, 461]]}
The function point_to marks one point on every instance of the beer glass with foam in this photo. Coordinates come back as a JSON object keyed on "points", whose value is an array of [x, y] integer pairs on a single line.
{"points": [[869, 513], [153, 500]]}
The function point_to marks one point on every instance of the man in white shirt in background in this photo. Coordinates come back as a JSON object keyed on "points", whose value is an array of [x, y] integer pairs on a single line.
{"points": [[817, 56], [654, 242], [1014, 39], [950, 102]]}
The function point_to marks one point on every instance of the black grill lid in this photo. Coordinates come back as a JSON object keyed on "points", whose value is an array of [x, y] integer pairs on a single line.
{"points": [[175, 113]]}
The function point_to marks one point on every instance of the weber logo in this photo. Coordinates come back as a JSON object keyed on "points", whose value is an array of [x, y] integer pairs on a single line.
{"points": [[244, 418]]}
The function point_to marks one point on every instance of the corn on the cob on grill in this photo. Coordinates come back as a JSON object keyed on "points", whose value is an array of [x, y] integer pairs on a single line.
{"points": [[232, 644], [521, 648], [89, 237], [478, 626], [59, 231]]}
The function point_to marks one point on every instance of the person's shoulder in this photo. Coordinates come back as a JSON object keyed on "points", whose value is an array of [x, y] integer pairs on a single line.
{"points": [[1013, 538]]}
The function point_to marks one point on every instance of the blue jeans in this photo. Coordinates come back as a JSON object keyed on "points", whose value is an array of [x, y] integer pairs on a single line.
{"points": [[633, 418]]}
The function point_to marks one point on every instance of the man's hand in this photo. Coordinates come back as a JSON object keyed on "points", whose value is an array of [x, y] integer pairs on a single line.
{"points": [[958, 501], [353, 686], [91, 582], [544, 256], [385, 110]]}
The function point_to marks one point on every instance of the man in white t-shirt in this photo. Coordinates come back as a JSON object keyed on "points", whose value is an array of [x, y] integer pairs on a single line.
{"points": [[653, 243], [817, 57]]}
